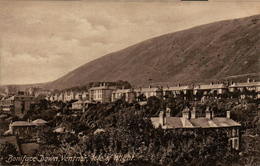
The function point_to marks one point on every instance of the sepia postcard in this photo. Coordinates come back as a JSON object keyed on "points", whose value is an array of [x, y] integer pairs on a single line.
{"points": [[130, 82]]}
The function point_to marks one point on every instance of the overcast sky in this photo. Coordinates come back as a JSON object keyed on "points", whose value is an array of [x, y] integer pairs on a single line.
{"points": [[43, 40]]}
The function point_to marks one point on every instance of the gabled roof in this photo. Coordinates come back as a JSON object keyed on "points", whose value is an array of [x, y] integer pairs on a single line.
{"points": [[22, 123], [39, 121]]}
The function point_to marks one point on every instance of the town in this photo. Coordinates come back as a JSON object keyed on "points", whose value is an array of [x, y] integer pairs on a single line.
{"points": [[36, 116]]}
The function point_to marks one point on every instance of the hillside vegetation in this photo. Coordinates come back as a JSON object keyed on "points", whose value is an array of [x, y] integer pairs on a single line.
{"points": [[209, 52]]}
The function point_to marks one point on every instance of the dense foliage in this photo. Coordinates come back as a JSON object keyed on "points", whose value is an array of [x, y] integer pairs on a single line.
{"points": [[120, 133]]}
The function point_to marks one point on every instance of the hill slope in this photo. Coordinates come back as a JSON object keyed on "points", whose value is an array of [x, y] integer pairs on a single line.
{"points": [[207, 52]]}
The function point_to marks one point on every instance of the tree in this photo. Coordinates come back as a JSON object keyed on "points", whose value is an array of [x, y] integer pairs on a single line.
{"points": [[7, 149]]}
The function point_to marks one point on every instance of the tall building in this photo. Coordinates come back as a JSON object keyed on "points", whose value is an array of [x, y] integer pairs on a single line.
{"points": [[17, 105], [101, 93]]}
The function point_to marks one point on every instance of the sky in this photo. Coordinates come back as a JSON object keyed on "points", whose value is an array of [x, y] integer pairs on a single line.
{"points": [[43, 40]]}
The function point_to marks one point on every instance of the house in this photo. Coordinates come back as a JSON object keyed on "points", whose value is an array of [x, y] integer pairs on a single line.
{"points": [[190, 121], [36, 91], [101, 93], [17, 105], [249, 86], [27, 131], [78, 95], [207, 89], [149, 92], [56, 97], [60, 97], [85, 95], [69, 95], [126, 94], [24, 130], [186, 90]]}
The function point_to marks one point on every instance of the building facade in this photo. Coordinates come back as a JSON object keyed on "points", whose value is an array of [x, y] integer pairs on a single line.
{"points": [[127, 95], [102, 93], [17, 105]]}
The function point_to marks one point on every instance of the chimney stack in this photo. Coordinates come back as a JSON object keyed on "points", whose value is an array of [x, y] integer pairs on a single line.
{"points": [[209, 113], [193, 113], [186, 113], [228, 114], [162, 118], [168, 112]]}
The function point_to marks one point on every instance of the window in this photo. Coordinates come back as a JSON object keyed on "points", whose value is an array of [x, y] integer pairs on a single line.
{"points": [[234, 134], [235, 144]]}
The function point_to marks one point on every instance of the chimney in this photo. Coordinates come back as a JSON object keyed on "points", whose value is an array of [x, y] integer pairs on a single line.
{"points": [[248, 80], [150, 86], [168, 112], [186, 113], [209, 113], [193, 113], [162, 118], [228, 114]]}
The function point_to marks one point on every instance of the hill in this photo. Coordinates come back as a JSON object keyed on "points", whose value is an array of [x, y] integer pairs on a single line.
{"points": [[227, 49]]}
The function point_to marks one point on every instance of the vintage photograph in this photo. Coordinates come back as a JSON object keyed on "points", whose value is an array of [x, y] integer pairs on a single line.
{"points": [[130, 82]]}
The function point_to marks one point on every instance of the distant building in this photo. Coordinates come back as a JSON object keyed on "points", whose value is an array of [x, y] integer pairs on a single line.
{"points": [[249, 86], [25, 130], [85, 95], [149, 92], [61, 97], [206, 89], [191, 121], [68, 96], [36, 91], [184, 90], [78, 95], [10, 90], [17, 105], [101, 93], [55, 97], [126, 94]]}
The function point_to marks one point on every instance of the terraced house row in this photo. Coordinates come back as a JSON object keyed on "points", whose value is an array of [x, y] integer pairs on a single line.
{"points": [[105, 93]]}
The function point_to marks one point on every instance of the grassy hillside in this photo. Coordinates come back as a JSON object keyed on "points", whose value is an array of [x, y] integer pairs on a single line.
{"points": [[208, 52]]}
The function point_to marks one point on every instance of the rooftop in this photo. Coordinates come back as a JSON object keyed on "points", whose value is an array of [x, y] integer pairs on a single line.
{"points": [[39, 121], [202, 122], [176, 88], [245, 84], [122, 90], [102, 87], [22, 123], [210, 86]]}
